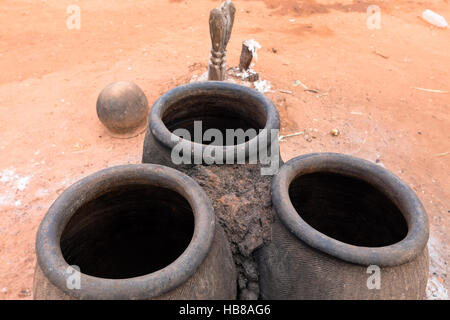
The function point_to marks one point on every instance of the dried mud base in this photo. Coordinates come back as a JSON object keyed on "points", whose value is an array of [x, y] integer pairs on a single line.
{"points": [[241, 200]]}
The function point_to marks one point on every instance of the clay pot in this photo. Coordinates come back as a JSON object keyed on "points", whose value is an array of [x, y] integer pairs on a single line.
{"points": [[217, 105], [135, 232], [240, 192], [345, 229]]}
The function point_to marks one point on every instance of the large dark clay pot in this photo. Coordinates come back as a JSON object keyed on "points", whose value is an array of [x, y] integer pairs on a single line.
{"points": [[337, 215], [240, 192], [136, 232]]}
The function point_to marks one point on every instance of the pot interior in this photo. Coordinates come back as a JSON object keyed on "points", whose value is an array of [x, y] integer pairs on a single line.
{"points": [[130, 231], [347, 209], [215, 112]]}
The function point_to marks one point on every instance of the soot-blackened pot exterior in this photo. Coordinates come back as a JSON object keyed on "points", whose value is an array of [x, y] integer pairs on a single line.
{"points": [[202, 268], [240, 192], [302, 262]]}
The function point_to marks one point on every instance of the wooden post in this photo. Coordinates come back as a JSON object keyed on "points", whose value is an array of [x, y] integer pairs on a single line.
{"points": [[246, 57], [220, 24]]}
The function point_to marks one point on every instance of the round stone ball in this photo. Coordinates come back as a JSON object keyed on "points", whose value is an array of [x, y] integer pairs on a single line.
{"points": [[122, 107]]}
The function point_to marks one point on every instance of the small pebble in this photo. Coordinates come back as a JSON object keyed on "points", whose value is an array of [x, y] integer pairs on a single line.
{"points": [[335, 132], [24, 293]]}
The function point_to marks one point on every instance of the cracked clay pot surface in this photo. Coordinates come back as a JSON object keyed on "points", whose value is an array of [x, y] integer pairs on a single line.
{"points": [[135, 232]]}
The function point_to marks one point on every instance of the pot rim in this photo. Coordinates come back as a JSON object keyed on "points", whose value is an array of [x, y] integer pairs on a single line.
{"points": [[169, 140], [390, 185], [54, 266]]}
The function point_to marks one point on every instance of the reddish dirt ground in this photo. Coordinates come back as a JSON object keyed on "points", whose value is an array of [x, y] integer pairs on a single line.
{"points": [[365, 79]]}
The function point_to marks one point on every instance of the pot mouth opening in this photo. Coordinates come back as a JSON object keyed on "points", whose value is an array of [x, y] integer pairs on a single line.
{"points": [[347, 209], [128, 231], [233, 117], [350, 209]]}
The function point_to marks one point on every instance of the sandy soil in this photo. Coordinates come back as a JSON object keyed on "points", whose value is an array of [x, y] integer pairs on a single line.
{"points": [[365, 82]]}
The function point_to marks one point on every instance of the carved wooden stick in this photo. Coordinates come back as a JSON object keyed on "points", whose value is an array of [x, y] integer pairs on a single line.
{"points": [[220, 24]]}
